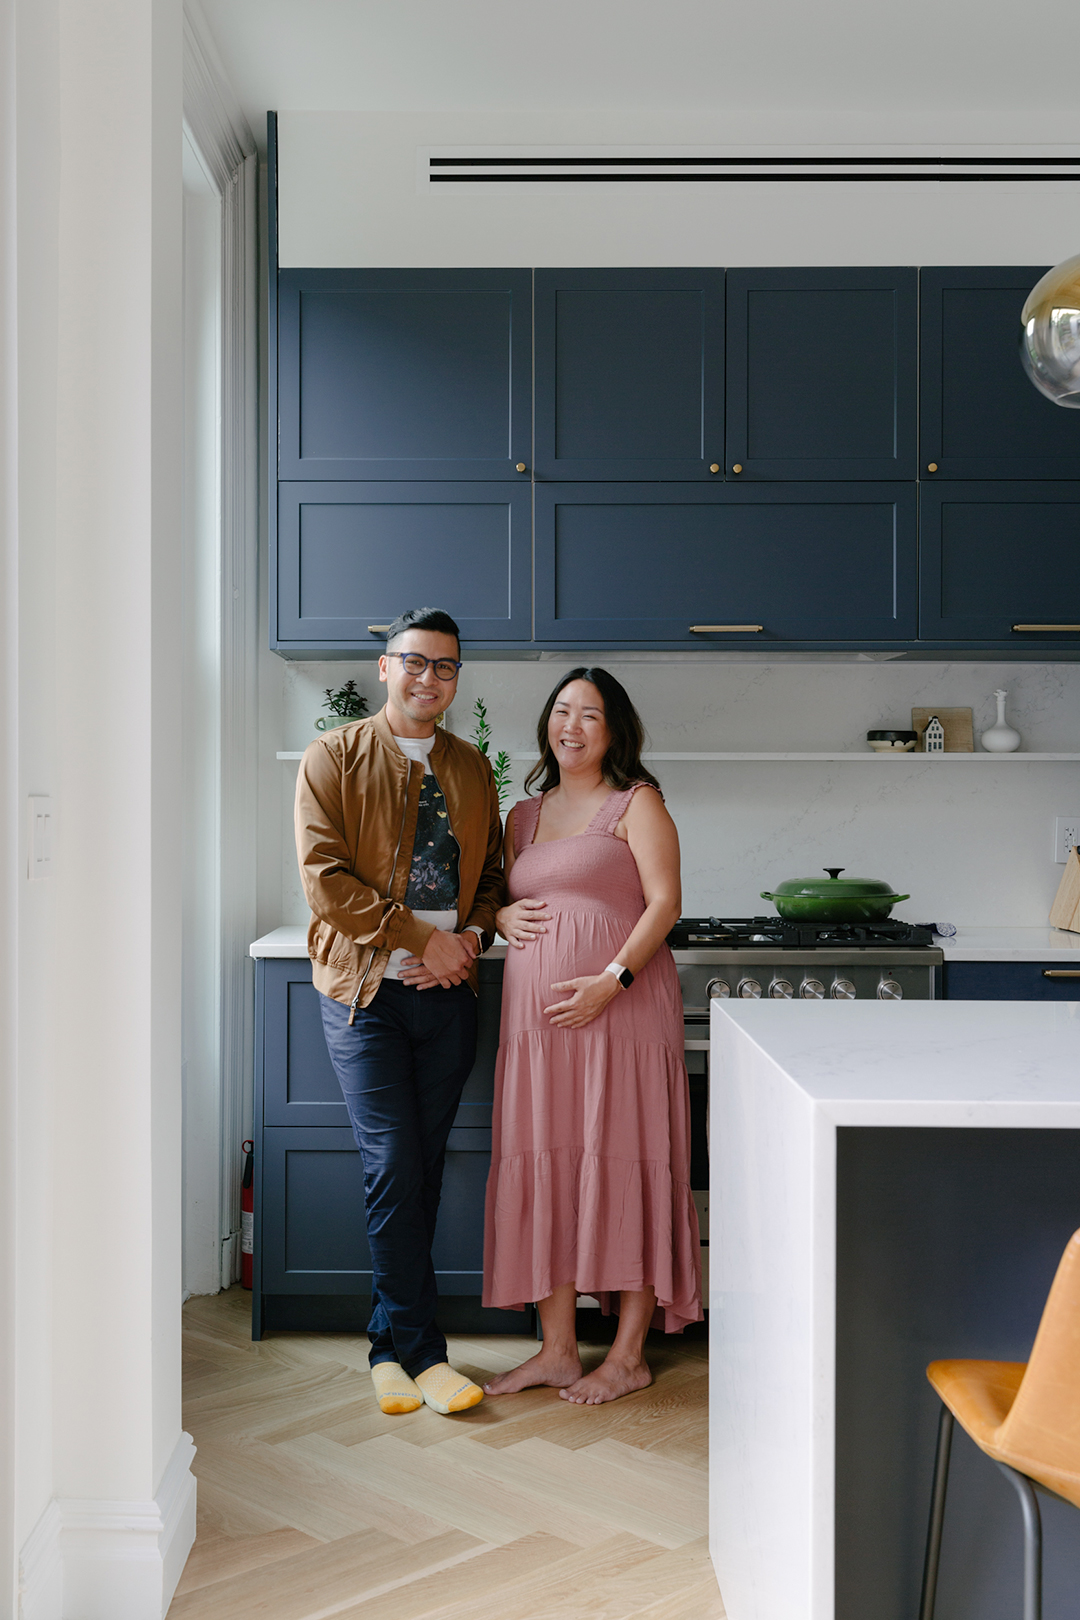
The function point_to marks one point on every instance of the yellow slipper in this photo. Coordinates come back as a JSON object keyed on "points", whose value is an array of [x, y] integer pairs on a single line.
{"points": [[395, 1389], [447, 1391]]}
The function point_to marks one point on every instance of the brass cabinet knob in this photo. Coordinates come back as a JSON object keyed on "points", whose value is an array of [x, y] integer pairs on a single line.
{"points": [[521, 466], [737, 467], [931, 466], [715, 467]]}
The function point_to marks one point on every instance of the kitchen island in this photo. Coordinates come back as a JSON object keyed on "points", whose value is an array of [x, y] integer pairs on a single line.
{"points": [[890, 1184]]}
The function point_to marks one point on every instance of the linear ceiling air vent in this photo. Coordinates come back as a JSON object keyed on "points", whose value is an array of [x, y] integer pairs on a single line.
{"points": [[477, 166]]}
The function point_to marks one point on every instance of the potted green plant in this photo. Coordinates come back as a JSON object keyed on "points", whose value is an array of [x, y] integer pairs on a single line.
{"points": [[345, 705]]}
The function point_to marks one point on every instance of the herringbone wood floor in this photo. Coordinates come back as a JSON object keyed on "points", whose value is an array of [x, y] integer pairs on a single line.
{"points": [[312, 1504]]}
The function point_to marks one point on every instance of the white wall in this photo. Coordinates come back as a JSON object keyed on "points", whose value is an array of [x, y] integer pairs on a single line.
{"points": [[971, 841], [99, 1498], [351, 193]]}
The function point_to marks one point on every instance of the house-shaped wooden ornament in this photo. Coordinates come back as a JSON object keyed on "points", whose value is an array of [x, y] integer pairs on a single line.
{"points": [[934, 736]]}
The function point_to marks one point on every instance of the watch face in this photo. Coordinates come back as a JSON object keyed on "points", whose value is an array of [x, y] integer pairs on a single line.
{"points": [[626, 978]]}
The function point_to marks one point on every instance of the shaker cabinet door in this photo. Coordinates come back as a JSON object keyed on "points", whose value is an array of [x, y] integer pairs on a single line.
{"points": [[1000, 562], [980, 417], [821, 373], [404, 373], [629, 373], [709, 566], [351, 557]]}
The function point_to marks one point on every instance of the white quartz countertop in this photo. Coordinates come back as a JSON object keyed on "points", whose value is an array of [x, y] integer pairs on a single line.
{"points": [[969, 945], [944, 1063], [1011, 945]]}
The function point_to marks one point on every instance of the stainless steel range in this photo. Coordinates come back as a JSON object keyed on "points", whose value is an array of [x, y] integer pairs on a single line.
{"points": [[751, 957]]}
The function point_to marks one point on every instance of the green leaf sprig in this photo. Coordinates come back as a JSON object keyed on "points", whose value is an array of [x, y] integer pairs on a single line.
{"points": [[346, 702], [500, 765]]}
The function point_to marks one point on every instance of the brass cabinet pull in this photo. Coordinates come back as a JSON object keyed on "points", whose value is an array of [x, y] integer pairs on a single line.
{"points": [[714, 467], [737, 466], [1046, 627], [1061, 973], [732, 629], [931, 466], [378, 629], [521, 466]]}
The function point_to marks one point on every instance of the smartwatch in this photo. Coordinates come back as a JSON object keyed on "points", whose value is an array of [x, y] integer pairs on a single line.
{"points": [[623, 974]]}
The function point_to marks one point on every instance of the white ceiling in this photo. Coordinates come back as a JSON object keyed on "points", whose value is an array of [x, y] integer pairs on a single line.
{"points": [[704, 56]]}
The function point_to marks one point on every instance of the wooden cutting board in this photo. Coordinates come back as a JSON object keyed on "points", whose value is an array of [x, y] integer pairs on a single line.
{"points": [[959, 737], [1065, 911]]}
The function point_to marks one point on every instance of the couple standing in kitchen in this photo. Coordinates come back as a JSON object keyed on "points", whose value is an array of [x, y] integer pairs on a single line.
{"points": [[402, 858]]}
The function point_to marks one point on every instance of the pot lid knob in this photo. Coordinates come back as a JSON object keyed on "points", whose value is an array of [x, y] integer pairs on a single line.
{"points": [[834, 871]]}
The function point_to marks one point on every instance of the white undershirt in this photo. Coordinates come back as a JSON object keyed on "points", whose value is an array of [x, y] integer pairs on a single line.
{"points": [[419, 748]]}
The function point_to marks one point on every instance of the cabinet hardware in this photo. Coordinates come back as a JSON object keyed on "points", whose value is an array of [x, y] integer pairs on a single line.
{"points": [[1061, 973], [737, 467], [1046, 627], [378, 629], [521, 466], [931, 466], [699, 629], [715, 467]]}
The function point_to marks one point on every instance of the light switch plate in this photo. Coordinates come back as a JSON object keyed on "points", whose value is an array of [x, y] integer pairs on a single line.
{"points": [[39, 839]]}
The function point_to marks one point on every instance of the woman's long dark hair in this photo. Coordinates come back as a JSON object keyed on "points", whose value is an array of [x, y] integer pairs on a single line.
{"points": [[622, 762]]}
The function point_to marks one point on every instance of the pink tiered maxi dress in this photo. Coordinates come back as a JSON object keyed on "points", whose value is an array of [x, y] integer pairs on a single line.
{"points": [[590, 1162]]}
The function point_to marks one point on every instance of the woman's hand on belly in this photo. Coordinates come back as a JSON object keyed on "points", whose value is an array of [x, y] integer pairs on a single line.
{"points": [[522, 921], [587, 999]]}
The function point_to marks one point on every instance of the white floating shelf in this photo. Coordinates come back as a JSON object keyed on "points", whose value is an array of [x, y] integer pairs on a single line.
{"points": [[848, 757]]}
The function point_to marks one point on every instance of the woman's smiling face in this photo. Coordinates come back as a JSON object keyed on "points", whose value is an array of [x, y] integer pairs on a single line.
{"points": [[577, 730]]}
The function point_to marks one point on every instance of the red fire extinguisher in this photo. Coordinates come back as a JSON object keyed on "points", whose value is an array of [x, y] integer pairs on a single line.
{"points": [[247, 1213]]}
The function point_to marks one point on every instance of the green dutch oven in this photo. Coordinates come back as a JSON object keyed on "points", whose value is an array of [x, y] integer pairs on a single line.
{"points": [[835, 899]]}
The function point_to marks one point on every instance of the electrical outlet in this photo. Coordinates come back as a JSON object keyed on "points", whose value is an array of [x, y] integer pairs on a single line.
{"points": [[1066, 836]]}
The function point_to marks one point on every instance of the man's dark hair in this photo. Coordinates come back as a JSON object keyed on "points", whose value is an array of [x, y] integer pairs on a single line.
{"points": [[622, 763], [424, 618]]}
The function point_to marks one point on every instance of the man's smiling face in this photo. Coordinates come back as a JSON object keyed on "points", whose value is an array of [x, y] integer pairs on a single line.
{"points": [[416, 701]]}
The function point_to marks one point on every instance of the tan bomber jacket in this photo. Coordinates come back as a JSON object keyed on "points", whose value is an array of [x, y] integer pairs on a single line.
{"points": [[356, 805]]}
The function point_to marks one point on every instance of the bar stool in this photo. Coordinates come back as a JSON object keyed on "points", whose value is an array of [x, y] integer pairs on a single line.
{"points": [[1026, 1417]]}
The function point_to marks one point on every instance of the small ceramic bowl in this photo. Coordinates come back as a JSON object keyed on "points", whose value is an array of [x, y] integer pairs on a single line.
{"points": [[892, 742]]}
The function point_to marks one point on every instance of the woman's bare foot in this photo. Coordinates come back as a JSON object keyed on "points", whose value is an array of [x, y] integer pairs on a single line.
{"points": [[546, 1367], [610, 1380]]}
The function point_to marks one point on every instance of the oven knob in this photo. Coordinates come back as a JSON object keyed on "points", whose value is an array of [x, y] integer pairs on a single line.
{"points": [[811, 989], [749, 989], [718, 989], [889, 990], [780, 990], [842, 990]]}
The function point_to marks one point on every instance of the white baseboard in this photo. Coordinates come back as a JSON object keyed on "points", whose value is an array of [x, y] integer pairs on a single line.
{"points": [[106, 1560]]}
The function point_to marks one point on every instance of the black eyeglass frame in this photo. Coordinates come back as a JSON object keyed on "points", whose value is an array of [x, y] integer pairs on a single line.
{"points": [[424, 662]]}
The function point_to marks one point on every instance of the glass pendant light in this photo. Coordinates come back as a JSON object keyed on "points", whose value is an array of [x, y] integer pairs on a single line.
{"points": [[1050, 335]]}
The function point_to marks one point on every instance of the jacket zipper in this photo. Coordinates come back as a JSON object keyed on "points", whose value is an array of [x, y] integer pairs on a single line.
{"points": [[390, 885]]}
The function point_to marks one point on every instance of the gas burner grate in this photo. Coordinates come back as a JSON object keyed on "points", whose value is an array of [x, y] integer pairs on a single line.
{"points": [[733, 932]]}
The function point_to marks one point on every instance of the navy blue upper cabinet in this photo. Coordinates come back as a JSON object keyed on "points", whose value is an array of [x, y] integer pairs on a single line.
{"points": [[821, 373], [650, 562], [350, 557], [404, 373], [998, 555], [980, 416], [629, 373]]}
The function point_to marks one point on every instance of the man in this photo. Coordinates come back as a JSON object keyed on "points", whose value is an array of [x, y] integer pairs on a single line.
{"points": [[399, 841]]}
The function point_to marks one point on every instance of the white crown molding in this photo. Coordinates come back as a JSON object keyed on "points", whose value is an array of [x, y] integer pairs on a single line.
{"points": [[111, 1560], [211, 109]]}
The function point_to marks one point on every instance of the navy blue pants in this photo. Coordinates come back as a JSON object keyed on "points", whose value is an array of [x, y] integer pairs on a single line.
{"points": [[402, 1066]]}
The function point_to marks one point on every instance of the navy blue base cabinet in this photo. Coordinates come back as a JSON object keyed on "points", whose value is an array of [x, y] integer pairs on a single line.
{"points": [[312, 1266], [1011, 981]]}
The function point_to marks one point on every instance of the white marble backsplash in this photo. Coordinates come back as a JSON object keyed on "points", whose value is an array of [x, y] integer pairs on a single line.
{"points": [[971, 842]]}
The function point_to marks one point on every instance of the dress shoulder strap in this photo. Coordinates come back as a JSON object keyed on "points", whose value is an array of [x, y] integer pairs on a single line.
{"points": [[613, 809], [526, 815]]}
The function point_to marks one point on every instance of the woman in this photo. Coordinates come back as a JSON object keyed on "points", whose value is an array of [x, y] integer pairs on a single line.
{"points": [[589, 1187]]}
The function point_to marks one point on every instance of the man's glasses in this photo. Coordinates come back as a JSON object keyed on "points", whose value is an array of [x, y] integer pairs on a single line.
{"points": [[415, 664]]}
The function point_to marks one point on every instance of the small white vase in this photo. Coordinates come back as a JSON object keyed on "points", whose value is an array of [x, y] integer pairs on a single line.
{"points": [[1001, 738]]}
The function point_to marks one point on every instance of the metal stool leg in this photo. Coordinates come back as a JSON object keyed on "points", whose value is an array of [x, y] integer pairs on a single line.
{"points": [[937, 1515], [1029, 1505]]}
